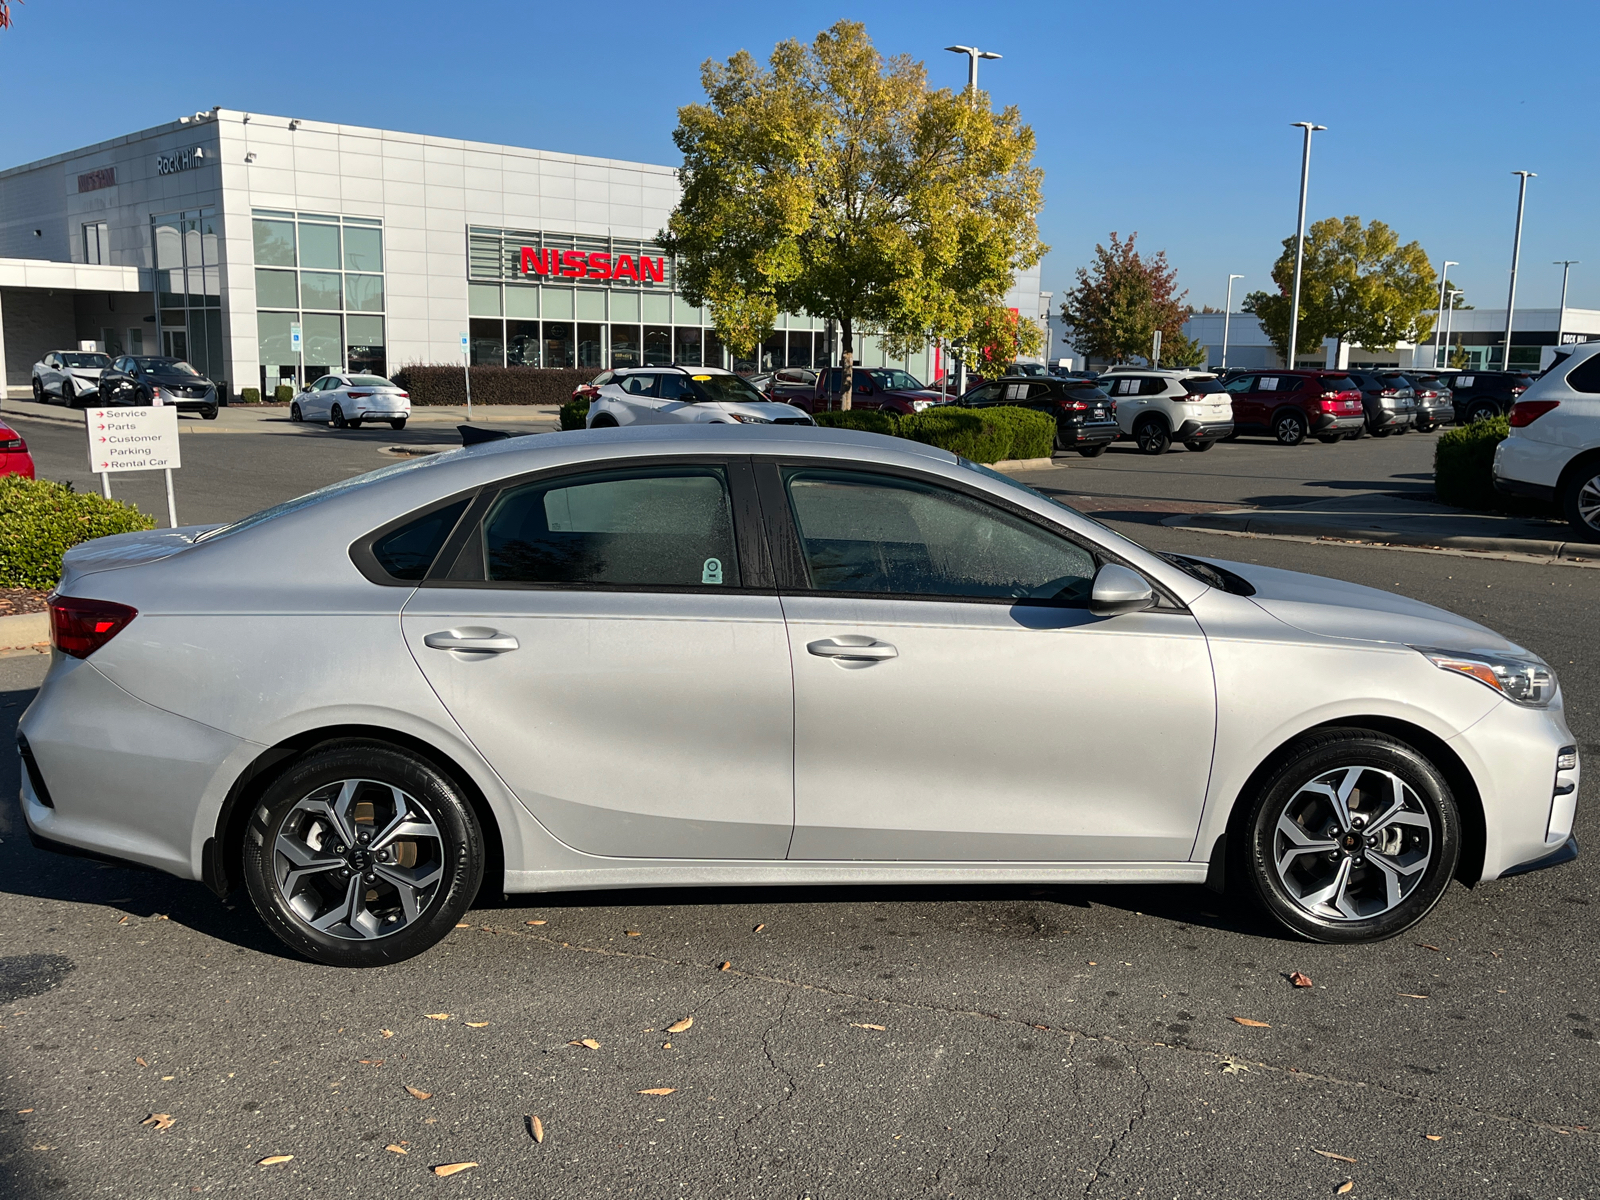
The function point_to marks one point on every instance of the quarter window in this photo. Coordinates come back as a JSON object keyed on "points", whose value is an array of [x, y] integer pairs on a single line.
{"points": [[871, 533], [1585, 377]]}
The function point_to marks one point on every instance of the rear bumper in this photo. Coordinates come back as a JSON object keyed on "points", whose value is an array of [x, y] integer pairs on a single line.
{"points": [[1393, 418], [1074, 433], [1203, 431], [1533, 491], [1338, 422]]}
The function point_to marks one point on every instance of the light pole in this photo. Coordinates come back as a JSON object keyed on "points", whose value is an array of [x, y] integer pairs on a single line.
{"points": [[1566, 265], [1227, 316], [1516, 256], [973, 55], [1444, 281], [1449, 318], [1300, 235]]}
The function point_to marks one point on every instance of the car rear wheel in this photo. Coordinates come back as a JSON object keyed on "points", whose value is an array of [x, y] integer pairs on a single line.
{"points": [[294, 412], [1151, 436], [1582, 502], [1289, 428], [1199, 445], [1353, 837], [1483, 412], [337, 418], [1093, 451], [398, 423], [603, 421], [361, 854]]}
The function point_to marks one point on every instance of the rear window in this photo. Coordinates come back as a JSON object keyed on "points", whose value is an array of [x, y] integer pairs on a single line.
{"points": [[1203, 387], [1340, 383], [369, 381]]}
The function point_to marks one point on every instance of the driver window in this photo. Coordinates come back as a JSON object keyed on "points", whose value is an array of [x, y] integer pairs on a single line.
{"points": [[885, 535], [675, 387], [1240, 383], [639, 385]]}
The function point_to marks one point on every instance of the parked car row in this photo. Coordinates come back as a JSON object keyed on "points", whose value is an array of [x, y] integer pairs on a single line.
{"points": [[84, 379]]}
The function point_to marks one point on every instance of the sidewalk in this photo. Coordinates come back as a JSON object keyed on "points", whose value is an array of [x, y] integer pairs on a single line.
{"points": [[263, 418], [1375, 517]]}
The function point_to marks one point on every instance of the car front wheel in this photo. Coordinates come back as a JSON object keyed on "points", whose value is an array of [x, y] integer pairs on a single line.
{"points": [[1581, 499], [1352, 838], [294, 412], [361, 854], [38, 391]]}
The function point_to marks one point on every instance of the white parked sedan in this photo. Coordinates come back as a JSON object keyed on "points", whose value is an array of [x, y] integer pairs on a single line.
{"points": [[345, 401], [654, 656], [682, 395]]}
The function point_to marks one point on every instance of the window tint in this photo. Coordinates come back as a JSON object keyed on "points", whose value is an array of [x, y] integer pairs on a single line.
{"points": [[1202, 387], [662, 527], [1585, 377], [369, 381], [989, 393], [1342, 383], [675, 387], [1239, 384], [1155, 385], [409, 551], [639, 385], [863, 532]]}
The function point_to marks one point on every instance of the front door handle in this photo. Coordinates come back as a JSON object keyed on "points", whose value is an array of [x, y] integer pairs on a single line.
{"points": [[485, 641], [853, 646]]}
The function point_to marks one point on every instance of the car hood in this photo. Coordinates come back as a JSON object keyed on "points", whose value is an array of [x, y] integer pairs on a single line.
{"points": [[1333, 608], [767, 409], [86, 372]]}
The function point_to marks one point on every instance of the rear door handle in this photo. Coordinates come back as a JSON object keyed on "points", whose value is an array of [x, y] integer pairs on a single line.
{"points": [[852, 646], [485, 641]]}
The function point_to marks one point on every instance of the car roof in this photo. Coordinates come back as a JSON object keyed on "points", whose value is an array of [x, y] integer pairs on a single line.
{"points": [[680, 369]]}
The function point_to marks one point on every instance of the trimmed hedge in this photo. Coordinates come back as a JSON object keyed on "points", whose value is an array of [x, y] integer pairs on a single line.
{"points": [[574, 413], [491, 385], [984, 435], [1463, 459], [40, 520], [283, 393], [250, 395], [868, 420]]}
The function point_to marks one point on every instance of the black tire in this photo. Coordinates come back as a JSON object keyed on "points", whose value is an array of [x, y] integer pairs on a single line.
{"points": [[1427, 426], [1199, 445], [38, 391], [1152, 436], [603, 421], [353, 423], [1383, 432], [374, 768], [1328, 439], [336, 418], [1366, 909], [208, 413], [1580, 500], [398, 423], [1483, 411], [1289, 428], [294, 412], [1094, 451]]}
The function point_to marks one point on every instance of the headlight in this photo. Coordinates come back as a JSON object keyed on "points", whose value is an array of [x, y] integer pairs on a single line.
{"points": [[743, 419], [1524, 679], [919, 405]]}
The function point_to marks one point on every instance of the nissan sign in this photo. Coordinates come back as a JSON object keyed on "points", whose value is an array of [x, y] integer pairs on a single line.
{"points": [[576, 264], [180, 160]]}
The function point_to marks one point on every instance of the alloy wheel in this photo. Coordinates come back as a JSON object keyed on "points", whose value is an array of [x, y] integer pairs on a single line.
{"points": [[357, 859], [1290, 430], [1353, 843], [1589, 503]]}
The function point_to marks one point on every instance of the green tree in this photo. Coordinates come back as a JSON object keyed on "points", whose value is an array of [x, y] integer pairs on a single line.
{"points": [[1458, 357], [1358, 285], [1180, 350], [1118, 305], [836, 183]]}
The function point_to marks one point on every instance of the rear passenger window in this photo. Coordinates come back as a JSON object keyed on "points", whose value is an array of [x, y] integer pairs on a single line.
{"points": [[639, 385], [661, 527], [408, 552], [1153, 386], [1585, 377]]}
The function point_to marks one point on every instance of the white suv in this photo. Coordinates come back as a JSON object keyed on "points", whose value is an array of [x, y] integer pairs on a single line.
{"points": [[1553, 452], [676, 395], [1157, 408]]}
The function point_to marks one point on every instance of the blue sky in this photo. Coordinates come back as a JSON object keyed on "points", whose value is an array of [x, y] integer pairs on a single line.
{"points": [[1169, 119]]}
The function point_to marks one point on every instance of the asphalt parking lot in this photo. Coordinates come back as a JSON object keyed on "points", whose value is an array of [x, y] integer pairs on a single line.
{"points": [[845, 1042]]}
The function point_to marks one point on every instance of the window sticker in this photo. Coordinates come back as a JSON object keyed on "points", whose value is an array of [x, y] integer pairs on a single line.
{"points": [[1465, 380], [712, 572], [1015, 391], [1269, 383]]}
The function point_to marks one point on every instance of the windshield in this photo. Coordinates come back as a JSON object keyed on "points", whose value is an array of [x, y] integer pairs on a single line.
{"points": [[1031, 370], [726, 389], [86, 361], [895, 381], [165, 366], [318, 496], [369, 381]]}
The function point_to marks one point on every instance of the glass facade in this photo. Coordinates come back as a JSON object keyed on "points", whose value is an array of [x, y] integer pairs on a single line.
{"points": [[326, 274], [189, 289]]}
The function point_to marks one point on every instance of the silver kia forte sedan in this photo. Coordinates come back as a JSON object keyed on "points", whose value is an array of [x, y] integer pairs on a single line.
{"points": [[733, 654]]}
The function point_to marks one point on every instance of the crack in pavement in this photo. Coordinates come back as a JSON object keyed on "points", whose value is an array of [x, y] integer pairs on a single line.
{"points": [[1130, 1044], [1134, 1118], [789, 1087]]}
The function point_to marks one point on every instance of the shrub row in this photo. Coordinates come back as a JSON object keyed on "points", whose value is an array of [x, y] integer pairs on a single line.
{"points": [[984, 435], [1463, 459], [491, 385], [41, 520]]}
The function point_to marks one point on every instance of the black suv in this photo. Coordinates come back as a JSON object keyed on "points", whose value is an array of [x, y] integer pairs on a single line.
{"points": [[1390, 402], [146, 380], [1085, 416], [1480, 395]]}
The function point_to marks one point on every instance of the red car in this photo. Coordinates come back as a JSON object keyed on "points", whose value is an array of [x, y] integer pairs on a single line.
{"points": [[1293, 405], [14, 456], [883, 388]]}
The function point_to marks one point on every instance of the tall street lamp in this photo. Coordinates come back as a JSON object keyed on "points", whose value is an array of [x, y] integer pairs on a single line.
{"points": [[973, 55], [1227, 315], [1300, 234], [1566, 265], [1516, 257], [1444, 272], [1449, 318]]}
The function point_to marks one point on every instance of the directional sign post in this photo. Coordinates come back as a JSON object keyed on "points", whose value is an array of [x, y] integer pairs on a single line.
{"points": [[134, 439], [299, 350], [466, 372]]}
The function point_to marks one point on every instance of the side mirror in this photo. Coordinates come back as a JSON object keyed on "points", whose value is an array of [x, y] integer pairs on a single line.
{"points": [[1119, 590]]}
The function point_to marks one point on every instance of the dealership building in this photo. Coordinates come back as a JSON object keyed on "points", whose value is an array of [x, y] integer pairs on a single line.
{"points": [[214, 237]]}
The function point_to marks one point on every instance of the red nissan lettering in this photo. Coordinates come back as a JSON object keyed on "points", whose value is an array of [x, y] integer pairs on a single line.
{"points": [[574, 264], [599, 266]]}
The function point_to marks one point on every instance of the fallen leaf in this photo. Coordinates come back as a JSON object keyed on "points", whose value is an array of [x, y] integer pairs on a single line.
{"points": [[538, 922], [463, 926], [164, 917], [657, 1091], [1229, 1067], [632, 932], [476, 1024], [387, 1032], [1425, 946], [589, 1042], [879, 1028], [273, 1160], [1250, 1023], [372, 1062], [1299, 980], [725, 966], [680, 1026], [1344, 1187], [396, 1149], [487, 928], [1331, 1154], [666, 1045], [141, 1062], [24, 1110], [759, 927], [437, 1016], [536, 1128], [453, 1168], [124, 921], [1411, 995], [159, 1120], [419, 1093], [1434, 1137]]}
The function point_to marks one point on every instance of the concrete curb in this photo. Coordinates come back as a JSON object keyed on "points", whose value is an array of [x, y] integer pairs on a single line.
{"points": [[1020, 464], [1272, 524], [23, 630]]}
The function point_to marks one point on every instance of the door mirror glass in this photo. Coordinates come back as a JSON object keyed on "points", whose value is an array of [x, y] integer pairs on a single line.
{"points": [[1119, 590]]}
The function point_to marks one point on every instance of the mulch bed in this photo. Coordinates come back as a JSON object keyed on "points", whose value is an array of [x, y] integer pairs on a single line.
{"points": [[21, 600]]}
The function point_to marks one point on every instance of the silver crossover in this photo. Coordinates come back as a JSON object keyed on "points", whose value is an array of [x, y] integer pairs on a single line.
{"points": [[718, 654]]}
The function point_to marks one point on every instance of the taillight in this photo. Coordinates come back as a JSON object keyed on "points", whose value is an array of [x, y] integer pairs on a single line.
{"points": [[80, 627], [1526, 412], [1074, 406], [359, 395], [1389, 392], [15, 445], [1331, 405], [405, 395], [585, 391], [1518, 388]]}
